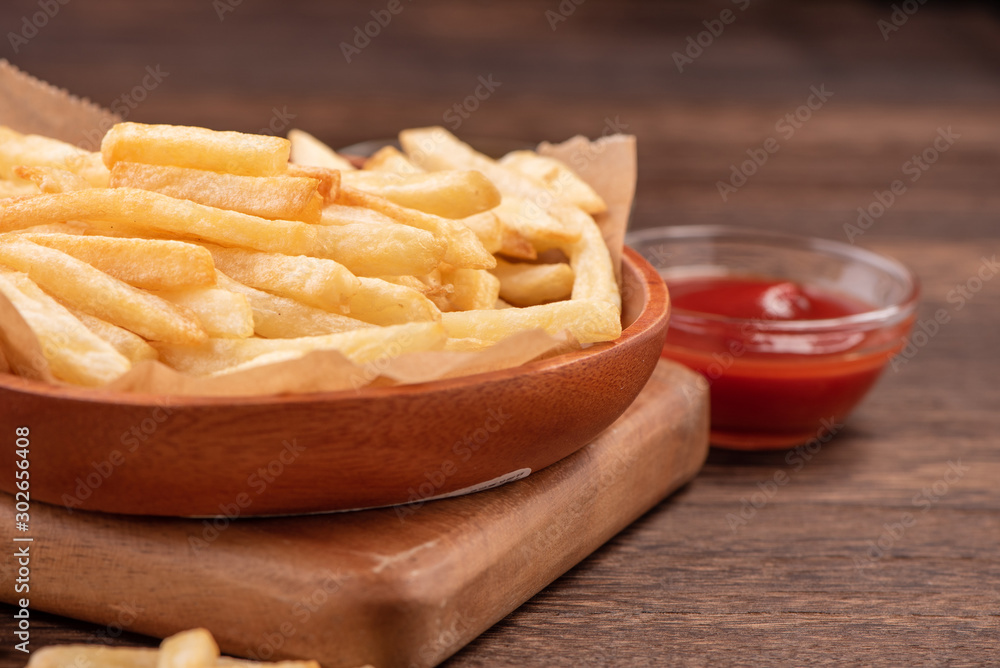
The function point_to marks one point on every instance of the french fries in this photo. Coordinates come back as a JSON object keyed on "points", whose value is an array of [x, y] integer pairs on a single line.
{"points": [[273, 197], [20, 150], [309, 151], [211, 253], [198, 148], [317, 282], [73, 352], [451, 194], [195, 648], [92, 291], [533, 284], [153, 264]]}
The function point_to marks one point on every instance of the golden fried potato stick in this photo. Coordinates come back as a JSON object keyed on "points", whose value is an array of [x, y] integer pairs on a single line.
{"points": [[74, 353], [92, 656], [272, 197], [318, 282], [359, 345], [198, 148], [515, 245], [471, 288], [52, 179], [487, 228], [151, 264], [382, 303], [449, 194], [536, 225], [329, 179], [195, 648], [222, 314], [400, 249], [20, 150], [557, 178], [309, 151], [92, 291], [594, 275], [342, 214], [389, 159], [277, 317], [532, 284], [588, 320], [132, 346], [463, 248]]}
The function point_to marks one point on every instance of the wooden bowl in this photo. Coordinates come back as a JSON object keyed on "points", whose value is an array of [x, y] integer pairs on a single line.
{"points": [[245, 456]]}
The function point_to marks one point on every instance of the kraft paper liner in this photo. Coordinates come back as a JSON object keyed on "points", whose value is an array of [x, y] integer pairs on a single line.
{"points": [[32, 106], [29, 105]]}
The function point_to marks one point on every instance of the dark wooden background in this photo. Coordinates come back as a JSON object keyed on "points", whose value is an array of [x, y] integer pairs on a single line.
{"points": [[802, 581]]}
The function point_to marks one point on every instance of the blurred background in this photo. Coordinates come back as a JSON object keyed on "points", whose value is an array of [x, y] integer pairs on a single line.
{"points": [[702, 84]]}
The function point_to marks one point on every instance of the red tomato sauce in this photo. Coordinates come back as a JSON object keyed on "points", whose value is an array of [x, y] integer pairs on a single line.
{"points": [[773, 389]]}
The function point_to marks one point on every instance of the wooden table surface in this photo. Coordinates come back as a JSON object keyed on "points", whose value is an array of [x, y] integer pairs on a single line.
{"points": [[881, 548]]}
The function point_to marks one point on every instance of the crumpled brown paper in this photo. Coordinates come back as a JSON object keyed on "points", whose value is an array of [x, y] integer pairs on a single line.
{"points": [[608, 165]]}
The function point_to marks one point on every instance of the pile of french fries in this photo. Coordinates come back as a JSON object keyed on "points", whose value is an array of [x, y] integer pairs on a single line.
{"points": [[215, 252], [188, 649]]}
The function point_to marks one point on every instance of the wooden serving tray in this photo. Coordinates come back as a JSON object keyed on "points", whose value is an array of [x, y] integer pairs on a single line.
{"points": [[404, 586]]}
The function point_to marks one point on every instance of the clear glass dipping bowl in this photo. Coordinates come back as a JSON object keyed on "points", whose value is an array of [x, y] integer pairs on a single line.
{"points": [[780, 383]]}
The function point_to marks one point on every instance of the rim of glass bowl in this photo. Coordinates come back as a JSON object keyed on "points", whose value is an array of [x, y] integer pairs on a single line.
{"points": [[885, 316]]}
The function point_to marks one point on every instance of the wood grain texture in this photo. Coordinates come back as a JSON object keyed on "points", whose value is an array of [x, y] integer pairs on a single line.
{"points": [[679, 587], [406, 586]]}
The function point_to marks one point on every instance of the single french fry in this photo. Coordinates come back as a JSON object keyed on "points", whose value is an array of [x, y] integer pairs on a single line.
{"points": [[92, 656], [309, 151], [318, 282], [471, 288], [222, 314], [382, 303], [389, 159], [198, 148], [195, 648], [92, 291], [55, 228], [132, 346], [533, 284], [273, 197], [230, 662], [516, 245], [342, 214], [558, 179], [151, 264], [52, 179], [487, 228], [588, 320], [449, 194], [277, 317], [328, 179], [403, 249], [17, 150], [535, 224], [594, 275], [463, 248], [74, 353], [359, 345]]}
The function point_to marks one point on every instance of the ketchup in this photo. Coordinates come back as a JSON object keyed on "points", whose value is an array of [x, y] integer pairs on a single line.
{"points": [[772, 385]]}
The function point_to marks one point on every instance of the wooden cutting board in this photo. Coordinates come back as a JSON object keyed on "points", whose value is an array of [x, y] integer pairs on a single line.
{"points": [[404, 586]]}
